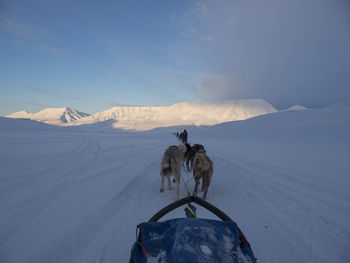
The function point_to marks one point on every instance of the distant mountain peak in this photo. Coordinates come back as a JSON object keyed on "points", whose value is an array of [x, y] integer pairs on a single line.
{"points": [[20, 115], [296, 107], [55, 116]]}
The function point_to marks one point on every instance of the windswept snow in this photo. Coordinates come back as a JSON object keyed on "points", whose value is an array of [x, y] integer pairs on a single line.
{"points": [[76, 194], [55, 116]]}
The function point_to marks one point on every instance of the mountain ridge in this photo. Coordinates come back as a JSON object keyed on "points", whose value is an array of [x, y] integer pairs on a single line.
{"points": [[149, 117], [185, 113]]}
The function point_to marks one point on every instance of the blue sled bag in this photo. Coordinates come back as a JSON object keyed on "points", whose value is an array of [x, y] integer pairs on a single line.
{"points": [[194, 240]]}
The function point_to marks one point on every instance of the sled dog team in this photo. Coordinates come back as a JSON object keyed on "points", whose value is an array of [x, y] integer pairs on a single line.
{"points": [[196, 160]]}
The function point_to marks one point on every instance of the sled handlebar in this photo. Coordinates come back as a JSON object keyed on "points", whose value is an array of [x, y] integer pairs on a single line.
{"points": [[216, 211]]}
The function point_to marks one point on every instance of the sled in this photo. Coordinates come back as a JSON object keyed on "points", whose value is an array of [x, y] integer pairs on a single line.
{"points": [[190, 239]]}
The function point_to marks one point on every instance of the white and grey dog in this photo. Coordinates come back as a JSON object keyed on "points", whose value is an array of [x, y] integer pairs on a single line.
{"points": [[183, 150], [171, 165]]}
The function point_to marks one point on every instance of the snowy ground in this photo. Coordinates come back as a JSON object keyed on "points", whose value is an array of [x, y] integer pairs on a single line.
{"points": [[76, 194]]}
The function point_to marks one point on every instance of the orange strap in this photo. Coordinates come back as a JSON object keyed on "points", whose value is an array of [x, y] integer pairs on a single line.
{"points": [[139, 242]]}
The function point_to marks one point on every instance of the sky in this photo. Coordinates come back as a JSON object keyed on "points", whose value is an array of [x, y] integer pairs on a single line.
{"points": [[95, 55]]}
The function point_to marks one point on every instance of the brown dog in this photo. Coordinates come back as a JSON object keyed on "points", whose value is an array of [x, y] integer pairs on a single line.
{"points": [[191, 153], [202, 168]]}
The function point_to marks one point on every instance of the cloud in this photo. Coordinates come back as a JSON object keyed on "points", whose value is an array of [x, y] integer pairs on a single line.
{"points": [[287, 52], [176, 74], [53, 93], [195, 21], [56, 51], [34, 35], [40, 105], [214, 87], [116, 104], [25, 30]]}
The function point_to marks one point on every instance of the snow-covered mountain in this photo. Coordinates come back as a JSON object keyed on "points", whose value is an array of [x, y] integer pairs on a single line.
{"points": [[146, 118], [55, 116], [296, 107], [186, 113]]}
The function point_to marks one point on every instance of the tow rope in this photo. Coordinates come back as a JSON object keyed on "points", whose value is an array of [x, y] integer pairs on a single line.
{"points": [[188, 192]]}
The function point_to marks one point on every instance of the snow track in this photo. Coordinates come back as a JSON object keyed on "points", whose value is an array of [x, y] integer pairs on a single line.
{"points": [[279, 206], [65, 203]]}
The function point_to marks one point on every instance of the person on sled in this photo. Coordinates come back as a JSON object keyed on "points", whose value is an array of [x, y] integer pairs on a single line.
{"points": [[184, 137]]}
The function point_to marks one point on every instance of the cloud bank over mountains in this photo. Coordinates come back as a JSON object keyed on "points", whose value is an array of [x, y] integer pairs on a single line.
{"points": [[286, 52]]}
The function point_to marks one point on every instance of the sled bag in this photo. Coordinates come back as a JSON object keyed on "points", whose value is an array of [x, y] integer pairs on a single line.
{"points": [[191, 240]]}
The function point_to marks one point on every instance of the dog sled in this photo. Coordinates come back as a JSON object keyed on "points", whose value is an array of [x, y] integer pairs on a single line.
{"points": [[190, 239]]}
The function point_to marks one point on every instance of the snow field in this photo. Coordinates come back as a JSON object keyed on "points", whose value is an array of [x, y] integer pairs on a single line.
{"points": [[76, 194]]}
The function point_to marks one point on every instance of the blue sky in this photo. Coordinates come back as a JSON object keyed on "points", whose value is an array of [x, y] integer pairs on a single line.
{"points": [[94, 55]]}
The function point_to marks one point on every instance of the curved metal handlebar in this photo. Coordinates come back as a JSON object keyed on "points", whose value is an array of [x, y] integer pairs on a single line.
{"points": [[216, 211]]}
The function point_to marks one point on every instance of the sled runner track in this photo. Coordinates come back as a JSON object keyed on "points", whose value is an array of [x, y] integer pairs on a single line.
{"points": [[41, 162], [291, 175], [266, 176], [41, 200], [68, 246], [266, 190], [63, 167], [141, 190], [17, 206], [140, 193], [22, 215], [113, 170], [94, 164], [60, 161], [278, 178], [114, 153], [132, 198]]}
